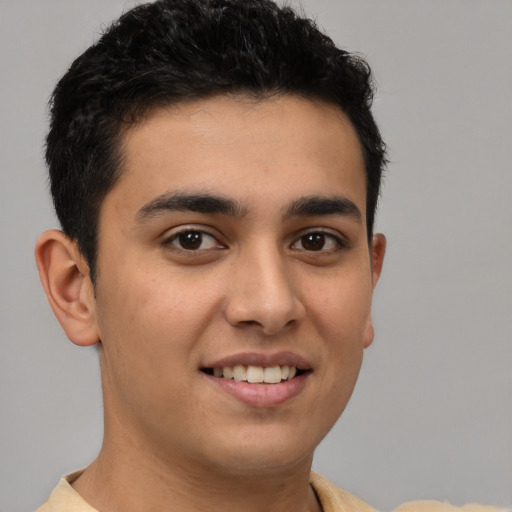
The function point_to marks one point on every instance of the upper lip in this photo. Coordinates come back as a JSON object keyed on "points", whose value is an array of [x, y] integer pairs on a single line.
{"points": [[259, 359]]}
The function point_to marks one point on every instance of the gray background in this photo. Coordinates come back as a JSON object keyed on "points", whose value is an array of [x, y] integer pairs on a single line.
{"points": [[432, 413]]}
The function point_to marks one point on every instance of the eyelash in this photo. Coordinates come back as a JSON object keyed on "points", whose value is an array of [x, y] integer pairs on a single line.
{"points": [[170, 241], [338, 241], [323, 238]]}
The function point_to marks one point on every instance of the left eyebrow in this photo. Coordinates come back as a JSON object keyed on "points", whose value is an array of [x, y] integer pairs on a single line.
{"points": [[311, 206], [194, 202]]}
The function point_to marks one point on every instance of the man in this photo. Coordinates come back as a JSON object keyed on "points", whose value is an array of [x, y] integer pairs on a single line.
{"points": [[215, 167]]}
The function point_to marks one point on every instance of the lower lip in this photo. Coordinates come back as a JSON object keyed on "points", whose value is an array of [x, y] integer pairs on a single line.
{"points": [[261, 395]]}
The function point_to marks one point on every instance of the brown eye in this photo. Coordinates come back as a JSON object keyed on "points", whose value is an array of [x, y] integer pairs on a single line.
{"points": [[190, 240], [313, 241], [193, 241], [318, 241]]}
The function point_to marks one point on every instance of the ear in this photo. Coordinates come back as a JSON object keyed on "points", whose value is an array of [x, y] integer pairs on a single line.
{"points": [[64, 275], [378, 249]]}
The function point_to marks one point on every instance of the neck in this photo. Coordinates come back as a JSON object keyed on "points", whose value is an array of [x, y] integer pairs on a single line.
{"points": [[128, 477]]}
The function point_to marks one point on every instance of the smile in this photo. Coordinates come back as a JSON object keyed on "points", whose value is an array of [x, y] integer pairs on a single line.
{"points": [[255, 374], [258, 379]]}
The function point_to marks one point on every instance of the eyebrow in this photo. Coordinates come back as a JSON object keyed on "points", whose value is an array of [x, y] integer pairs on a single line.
{"points": [[311, 206], [194, 202]]}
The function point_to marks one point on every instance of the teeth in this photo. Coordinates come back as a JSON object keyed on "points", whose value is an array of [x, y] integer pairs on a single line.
{"points": [[256, 374], [272, 375], [239, 373]]}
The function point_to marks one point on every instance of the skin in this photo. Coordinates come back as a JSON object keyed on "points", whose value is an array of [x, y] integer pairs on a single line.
{"points": [[163, 310]]}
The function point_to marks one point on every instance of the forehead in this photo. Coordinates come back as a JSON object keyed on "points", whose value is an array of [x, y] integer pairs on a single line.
{"points": [[244, 147]]}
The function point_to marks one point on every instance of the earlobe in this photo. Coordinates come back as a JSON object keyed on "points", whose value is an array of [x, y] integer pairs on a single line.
{"points": [[378, 250], [369, 332], [65, 278]]}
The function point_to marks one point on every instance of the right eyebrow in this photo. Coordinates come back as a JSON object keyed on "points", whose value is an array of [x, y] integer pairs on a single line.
{"points": [[311, 206], [194, 202]]}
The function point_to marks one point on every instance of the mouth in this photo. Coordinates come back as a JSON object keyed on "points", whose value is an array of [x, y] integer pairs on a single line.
{"points": [[259, 380], [255, 374]]}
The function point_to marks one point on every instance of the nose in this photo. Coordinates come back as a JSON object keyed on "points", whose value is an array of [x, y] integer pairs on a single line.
{"points": [[262, 294]]}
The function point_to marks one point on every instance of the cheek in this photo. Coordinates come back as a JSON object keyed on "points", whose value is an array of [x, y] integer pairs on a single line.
{"points": [[341, 314], [341, 309], [149, 335], [153, 323]]}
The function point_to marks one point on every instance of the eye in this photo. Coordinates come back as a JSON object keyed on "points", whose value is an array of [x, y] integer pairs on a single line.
{"points": [[318, 241], [193, 240]]}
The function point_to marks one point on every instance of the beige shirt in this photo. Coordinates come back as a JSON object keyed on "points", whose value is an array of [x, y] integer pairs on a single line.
{"points": [[65, 499]]}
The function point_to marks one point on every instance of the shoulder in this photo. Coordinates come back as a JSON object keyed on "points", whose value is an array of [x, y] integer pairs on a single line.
{"points": [[333, 499], [65, 499], [437, 506]]}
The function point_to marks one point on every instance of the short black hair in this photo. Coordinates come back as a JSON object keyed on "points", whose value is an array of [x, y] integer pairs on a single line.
{"points": [[169, 51]]}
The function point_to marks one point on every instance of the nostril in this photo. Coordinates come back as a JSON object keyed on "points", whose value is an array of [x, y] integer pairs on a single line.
{"points": [[251, 323], [269, 312]]}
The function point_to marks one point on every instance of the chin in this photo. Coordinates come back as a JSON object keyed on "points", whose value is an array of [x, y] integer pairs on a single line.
{"points": [[264, 462], [264, 452]]}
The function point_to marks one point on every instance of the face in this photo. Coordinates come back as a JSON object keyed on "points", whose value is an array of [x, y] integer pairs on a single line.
{"points": [[234, 281]]}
